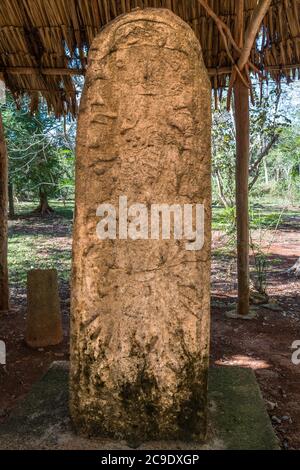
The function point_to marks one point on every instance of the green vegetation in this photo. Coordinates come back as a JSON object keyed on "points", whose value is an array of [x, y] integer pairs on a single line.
{"points": [[40, 243], [41, 155], [262, 216], [274, 168], [63, 209], [41, 166], [36, 242]]}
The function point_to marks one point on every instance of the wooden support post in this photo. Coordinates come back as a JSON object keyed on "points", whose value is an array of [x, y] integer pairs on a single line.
{"points": [[242, 125], [241, 103], [4, 291]]}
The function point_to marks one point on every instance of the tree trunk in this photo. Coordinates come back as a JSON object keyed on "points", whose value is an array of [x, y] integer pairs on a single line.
{"points": [[11, 204], [4, 290], [266, 171], [241, 102], [262, 157], [221, 193], [295, 269], [43, 209]]}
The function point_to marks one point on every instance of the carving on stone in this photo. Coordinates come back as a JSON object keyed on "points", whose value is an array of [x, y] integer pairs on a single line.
{"points": [[140, 309]]}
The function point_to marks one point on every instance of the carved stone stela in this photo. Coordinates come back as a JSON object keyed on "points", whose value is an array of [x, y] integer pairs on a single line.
{"points": [[140, 308]]}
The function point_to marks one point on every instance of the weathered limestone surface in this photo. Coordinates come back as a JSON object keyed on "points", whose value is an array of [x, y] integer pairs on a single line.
{"points": [[43, 323], [140, 309]]}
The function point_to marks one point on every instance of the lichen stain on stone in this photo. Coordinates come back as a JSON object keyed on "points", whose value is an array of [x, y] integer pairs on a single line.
{"points": [[192, 417]]}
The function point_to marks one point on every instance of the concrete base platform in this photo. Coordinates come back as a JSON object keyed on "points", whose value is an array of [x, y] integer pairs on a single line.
{"points": [[238, 419], [233, 315]]}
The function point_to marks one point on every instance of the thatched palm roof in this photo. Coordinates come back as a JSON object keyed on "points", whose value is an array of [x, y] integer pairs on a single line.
{"points": [[41, 39]]}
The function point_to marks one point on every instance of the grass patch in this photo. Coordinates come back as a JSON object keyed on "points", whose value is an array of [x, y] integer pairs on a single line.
{"points": [[261, 217], [61, 210], [40, 243], [45, 243]]}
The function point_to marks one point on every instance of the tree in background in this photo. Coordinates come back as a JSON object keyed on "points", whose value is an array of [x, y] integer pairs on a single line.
{"points": [[274, 168], [295, 269], [270, 127], [223, 155], [282, 174], [41, 155]]}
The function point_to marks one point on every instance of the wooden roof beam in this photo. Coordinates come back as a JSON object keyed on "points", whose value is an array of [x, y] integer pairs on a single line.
{"points": [[227, 38], [43, 71], [268, 68], [79, 71]]}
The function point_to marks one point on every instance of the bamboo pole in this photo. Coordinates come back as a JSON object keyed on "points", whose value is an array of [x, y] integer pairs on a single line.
{"points": [[4, 290]]}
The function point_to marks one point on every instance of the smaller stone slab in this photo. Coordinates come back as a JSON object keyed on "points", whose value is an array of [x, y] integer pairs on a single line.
{"points": [[44, 325], [237, 417]]}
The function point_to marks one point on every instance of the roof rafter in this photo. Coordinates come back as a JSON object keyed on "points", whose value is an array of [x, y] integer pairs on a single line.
{"points": [[252, 31]]}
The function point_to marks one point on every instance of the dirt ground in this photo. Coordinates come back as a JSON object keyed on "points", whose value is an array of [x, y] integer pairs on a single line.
{"points": [[263, 344]]}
